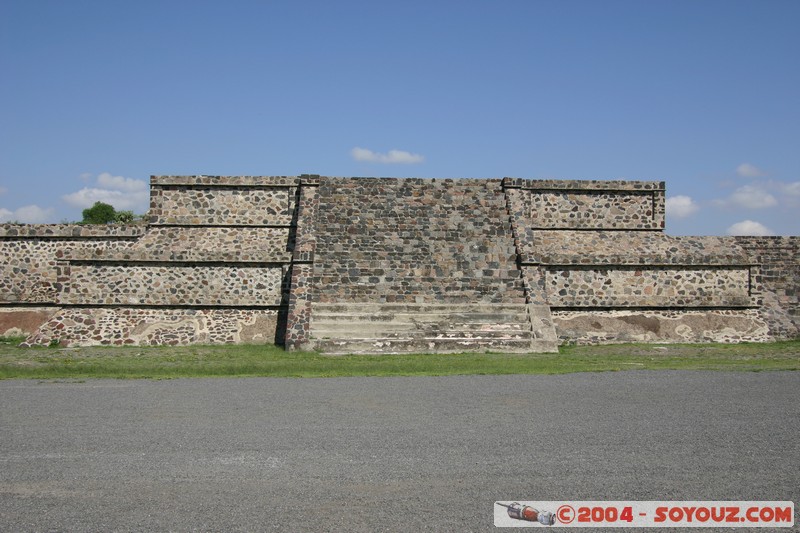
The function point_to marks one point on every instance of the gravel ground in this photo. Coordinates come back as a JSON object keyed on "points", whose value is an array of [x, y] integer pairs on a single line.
{"points": [[385, 454]]}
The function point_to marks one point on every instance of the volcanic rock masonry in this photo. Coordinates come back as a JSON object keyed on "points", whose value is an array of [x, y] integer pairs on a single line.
{"points": [[395, 265]]}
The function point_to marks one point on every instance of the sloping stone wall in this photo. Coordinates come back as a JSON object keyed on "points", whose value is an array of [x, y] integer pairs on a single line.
{"points": [[301, 279], [411, 265], [777, 281], [414, 241]]}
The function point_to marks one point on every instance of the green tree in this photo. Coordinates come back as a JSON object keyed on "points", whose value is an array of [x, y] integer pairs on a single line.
{"points": [[99, 213], [125, 217]]}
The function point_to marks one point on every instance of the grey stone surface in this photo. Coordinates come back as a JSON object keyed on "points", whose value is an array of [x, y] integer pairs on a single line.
{"points": [[29, 260], [384, 454], [414, 241], [424, 328], [653, 325], [777, 281], [97, 326], [222, 200], [593, 252], [164, 284]]}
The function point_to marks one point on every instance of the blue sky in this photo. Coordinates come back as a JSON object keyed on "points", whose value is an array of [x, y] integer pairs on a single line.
{"points": [[95, 96]]}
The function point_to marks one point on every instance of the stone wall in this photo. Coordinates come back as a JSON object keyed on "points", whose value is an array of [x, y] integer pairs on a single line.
{"points": [[29, 256], [777, 281], [648, 286], [19, 321], [608, 326], [595, 253], [153, 326], [245, 258], [414, 241], [212, 266], [222, 200], [171, 284], [301, 275], [596, 205], [200, 244]]}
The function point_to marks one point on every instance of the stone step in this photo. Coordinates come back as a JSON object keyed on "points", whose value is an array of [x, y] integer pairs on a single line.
{"points": [[369, 327], [424, 317], [415, 224], [355, 316], [430, 292], [376, 307], [454, 276], [372, 254], [454, 298], [371, 257], [423, 345], [322, 329], [459, 326], [410, 264], [415, 241], [470, 288], [397, 269], [486, 284], [365, 334]]}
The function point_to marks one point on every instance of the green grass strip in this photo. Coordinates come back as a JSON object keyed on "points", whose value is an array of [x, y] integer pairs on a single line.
{"points": [[165, 362]]}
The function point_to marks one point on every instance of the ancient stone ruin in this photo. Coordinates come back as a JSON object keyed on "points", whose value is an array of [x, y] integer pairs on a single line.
{"points": [[386, 265]]}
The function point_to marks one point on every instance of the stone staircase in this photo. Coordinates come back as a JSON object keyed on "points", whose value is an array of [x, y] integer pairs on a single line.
{"points": [[413, 265], [427, 328]]}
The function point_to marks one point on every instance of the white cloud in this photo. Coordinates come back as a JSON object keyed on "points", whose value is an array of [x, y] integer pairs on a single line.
{"points": [[123, 193], [750, 227], [120, 183], [749, 197], [792, 189], [87, 197], [746, 170], [681, 206], [29, 214], [788, 194], [392, 156], [752, 197], [3, 190]]}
